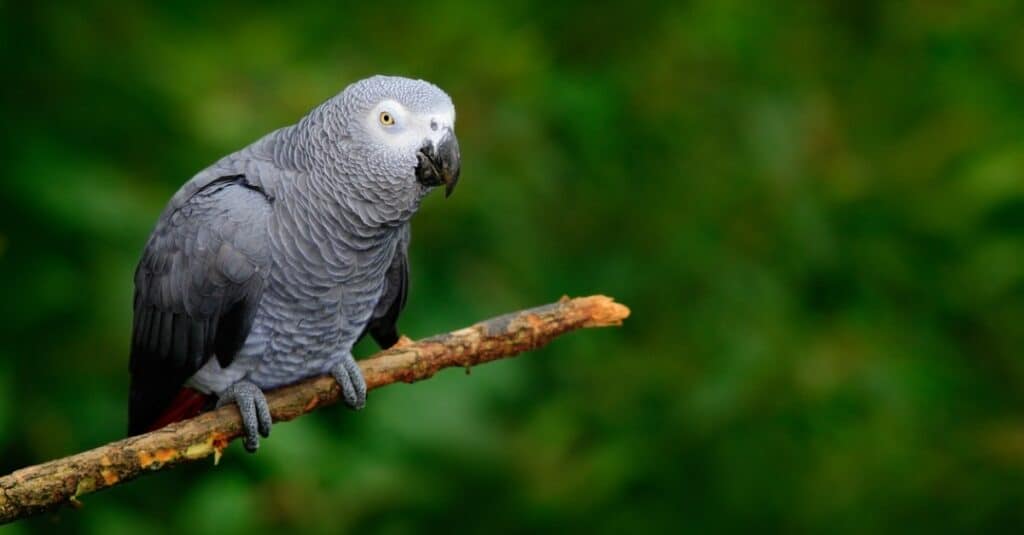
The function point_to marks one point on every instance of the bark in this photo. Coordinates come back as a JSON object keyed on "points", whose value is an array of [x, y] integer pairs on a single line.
{"points": [[42, 487]]}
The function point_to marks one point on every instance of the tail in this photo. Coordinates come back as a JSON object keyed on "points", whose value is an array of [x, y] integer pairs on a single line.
{"points": [[186, 404]]}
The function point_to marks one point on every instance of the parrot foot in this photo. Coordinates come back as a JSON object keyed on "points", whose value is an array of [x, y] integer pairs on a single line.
{"points": [[252, 405], [350, 377]]}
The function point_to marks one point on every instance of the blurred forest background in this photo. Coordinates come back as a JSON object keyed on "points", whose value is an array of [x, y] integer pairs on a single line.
{"points": [[815, 211]]}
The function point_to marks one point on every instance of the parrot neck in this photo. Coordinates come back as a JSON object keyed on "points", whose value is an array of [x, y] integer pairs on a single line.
{"points": [[330, 183], [314, 229]]}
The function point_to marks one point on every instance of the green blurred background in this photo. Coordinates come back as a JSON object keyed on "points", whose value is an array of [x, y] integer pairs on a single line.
{"points": [[815, 212]]}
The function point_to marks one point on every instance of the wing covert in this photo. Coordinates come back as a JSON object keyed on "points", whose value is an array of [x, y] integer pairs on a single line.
{"points": [[197, 289]]}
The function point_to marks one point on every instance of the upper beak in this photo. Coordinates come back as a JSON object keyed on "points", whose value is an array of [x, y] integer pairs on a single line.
{"points": [[440, 164]]}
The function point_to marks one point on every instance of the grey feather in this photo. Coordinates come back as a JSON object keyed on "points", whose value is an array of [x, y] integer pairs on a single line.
{"points": [[278, 257], [179, 288], [383, 325]]}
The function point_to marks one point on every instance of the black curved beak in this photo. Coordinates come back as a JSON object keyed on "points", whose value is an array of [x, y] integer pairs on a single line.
{"points": [[440, 164]]}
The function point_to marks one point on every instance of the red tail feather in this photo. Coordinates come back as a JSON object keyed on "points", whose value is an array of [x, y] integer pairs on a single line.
{"points": [[186, 404]]}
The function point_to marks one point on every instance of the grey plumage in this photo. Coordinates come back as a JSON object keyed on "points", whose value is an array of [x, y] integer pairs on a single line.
{"points": [[277, 258]]}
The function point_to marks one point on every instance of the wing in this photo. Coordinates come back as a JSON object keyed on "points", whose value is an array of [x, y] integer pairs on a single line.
{"points": [[197, 289], [383, 325]]}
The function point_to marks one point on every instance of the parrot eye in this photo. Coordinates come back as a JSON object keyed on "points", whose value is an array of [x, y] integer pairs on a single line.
{"points": [[386, 118]]}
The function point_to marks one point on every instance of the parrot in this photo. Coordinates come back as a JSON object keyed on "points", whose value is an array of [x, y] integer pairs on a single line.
{"points": [[266, 267]]}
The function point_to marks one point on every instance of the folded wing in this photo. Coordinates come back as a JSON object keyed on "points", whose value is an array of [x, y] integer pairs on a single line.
{"points": [[197, 289]]}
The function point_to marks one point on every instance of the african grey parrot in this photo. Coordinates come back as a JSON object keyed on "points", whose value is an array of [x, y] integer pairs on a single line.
{"points": [[266, 267]]}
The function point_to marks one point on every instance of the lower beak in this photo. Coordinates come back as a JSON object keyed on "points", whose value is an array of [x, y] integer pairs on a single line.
{"points": [[440, 164]]}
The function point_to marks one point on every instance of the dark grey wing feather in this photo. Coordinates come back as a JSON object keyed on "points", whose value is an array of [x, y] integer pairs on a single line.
{"points": [[197, 289], [383, 325]]}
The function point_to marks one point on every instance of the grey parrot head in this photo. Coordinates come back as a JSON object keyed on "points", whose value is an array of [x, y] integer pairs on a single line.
{"points": [[396, 134]]}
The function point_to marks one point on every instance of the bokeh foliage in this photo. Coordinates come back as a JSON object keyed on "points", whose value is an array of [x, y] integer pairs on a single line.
{"points": [[815, 211]]}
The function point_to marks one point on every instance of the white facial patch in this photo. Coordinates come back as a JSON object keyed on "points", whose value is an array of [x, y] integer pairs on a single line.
{"points": [[408, 129]]}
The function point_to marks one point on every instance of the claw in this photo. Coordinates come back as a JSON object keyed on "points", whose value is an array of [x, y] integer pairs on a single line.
{"points": [[350, 378], [253, 407]]}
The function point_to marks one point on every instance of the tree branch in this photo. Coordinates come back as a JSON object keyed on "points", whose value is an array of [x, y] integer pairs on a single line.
{"points": [[41, 487]]}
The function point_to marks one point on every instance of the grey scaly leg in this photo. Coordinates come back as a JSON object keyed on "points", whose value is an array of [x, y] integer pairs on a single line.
{"points": [[350, 377], [252, 405]]}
